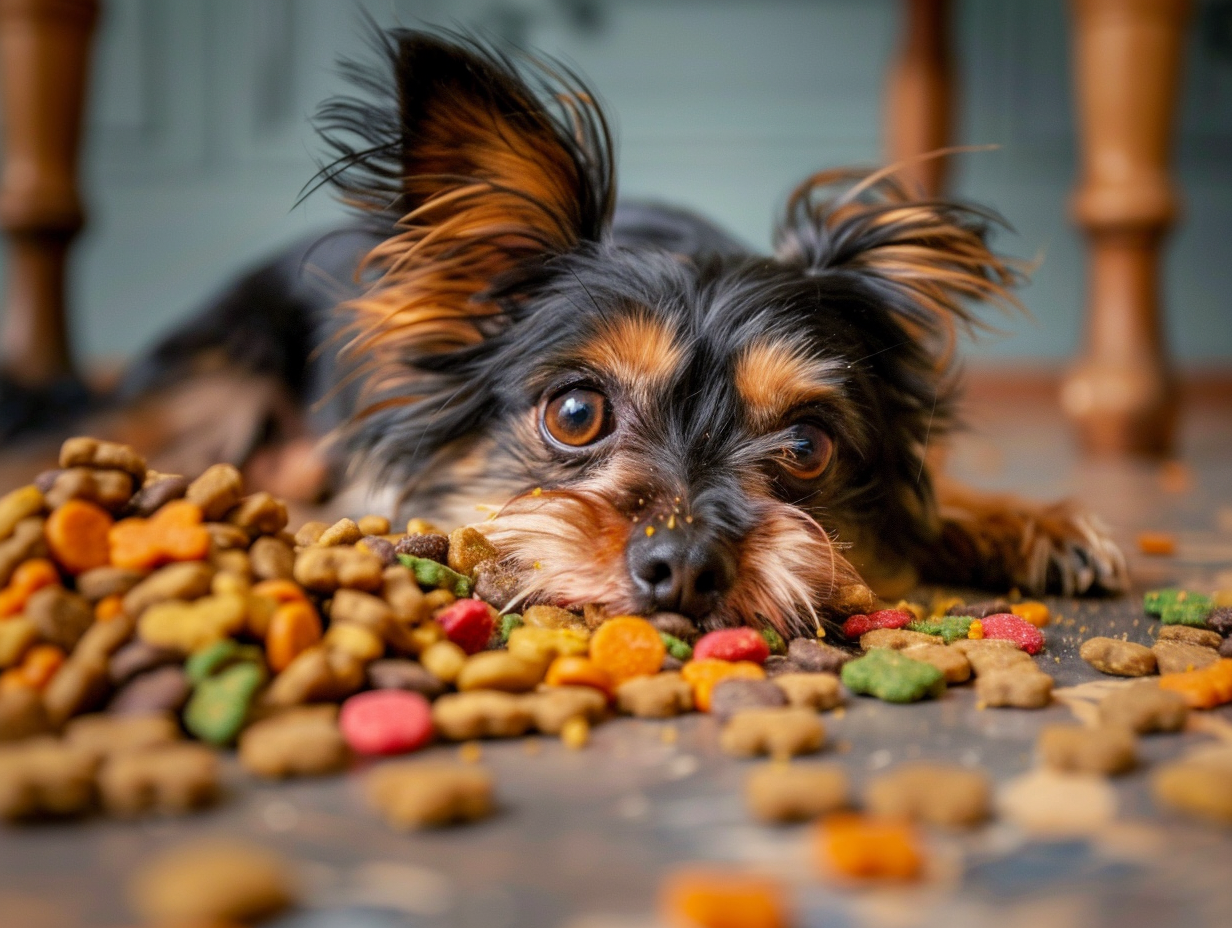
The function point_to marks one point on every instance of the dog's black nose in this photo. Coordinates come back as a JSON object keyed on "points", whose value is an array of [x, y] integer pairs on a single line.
{"points": [[680, 570]]}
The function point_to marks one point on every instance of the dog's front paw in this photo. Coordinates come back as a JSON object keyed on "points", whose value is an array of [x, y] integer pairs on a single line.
{"points": [[1069, 552]]}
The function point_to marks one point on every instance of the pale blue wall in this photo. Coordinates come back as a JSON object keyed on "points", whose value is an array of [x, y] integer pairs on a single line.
{"points": [[198, 141]]}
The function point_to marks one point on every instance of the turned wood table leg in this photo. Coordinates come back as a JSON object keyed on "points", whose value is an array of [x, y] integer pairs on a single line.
{"points": [[1122, 392], [44, 56], [919, 93]]}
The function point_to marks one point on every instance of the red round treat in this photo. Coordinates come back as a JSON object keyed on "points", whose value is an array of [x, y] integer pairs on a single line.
{"points": [[1011, 628], [386, 722], [732, 644], [468, 624], [858, 625]]}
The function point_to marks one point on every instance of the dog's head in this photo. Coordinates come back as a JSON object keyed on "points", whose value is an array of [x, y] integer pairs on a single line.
{"points": [[699, 433]]}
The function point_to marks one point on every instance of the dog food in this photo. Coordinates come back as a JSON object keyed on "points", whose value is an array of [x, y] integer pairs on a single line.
{"points": [[481, 714], [735, 695], [1013, 687], [1188, 634], [779, 732], [659, 697], [860, 625], [1008, 627], [386, 722], [499, 670], [893, 677], [817, 691], [948, 628], [1178, 607], [1037, 613], [212, 882], [1200, 788], [1078, 749], [468, 623], [45, 777], [934, 794], [732, 644], [165, 779], [862, 847], [1144, 708], [814, 656], [1204, 688], [412, 795], [777, 792], [1121, 658], [303, 741], [1177, 656], [627, 647], [713, 898], [704, 675], [573, 670]]}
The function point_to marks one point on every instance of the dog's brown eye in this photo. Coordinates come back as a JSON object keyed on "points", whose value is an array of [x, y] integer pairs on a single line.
{"points": [[577, 417], [807, 451]]}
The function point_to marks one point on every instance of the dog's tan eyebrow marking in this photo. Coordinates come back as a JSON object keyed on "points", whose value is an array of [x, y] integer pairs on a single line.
{"points": [[637, 350], [773, 377]]}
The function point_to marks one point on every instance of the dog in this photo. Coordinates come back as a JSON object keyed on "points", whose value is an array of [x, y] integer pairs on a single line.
{"points": [[635, 409]]}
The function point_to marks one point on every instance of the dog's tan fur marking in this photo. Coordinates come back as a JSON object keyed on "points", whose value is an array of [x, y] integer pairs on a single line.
{"points": [[775, 376], [639, 351]]}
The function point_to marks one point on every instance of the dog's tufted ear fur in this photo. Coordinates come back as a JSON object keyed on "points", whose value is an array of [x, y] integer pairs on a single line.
{"points": [[925, 261], [483, 174]]}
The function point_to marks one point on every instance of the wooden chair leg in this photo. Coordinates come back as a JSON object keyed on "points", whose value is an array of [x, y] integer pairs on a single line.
{"points": [[919, 93], [44, 56], [1122, 392]]}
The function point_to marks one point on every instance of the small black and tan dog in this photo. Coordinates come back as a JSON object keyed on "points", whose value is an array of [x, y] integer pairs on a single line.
{"points": [[657, 418]]}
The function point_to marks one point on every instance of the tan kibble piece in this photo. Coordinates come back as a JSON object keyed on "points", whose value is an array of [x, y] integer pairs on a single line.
{"points": [[817, 691], [105, 735], [422, 637], [989, 660], [481, 714], [660, 696], [468, 549], [110, 489], [26, 541], [271, 559], [61, 617], [1187, 634], [353, 607], [101, 582], [1016, 688], [316, 675], [778, 792], [21, 714], [374, 525], [310, 533], [399, 589], [935, 794], [421, 527], [970, 646], [43, 776], [342, 532], [216, 491], [545, 616], [327, 569], [416, 794], [444, 660], [166, 779], [186, 581], [80, 685], [102, 639], [298, 742], [1046, 802], [1144, 707], [552, 707], [853, 598], [17, 636], [227, 537], [232, 566], [543, 645], [213, 881], [91, 452], [1114, 656], [1201, 788], [188, 627], [17, 505], [1178, 657], [259, 514], [1078, 749], [781, 732], [499, 670], [361, 643], [896, 639], [438, 600], [952, 663]]}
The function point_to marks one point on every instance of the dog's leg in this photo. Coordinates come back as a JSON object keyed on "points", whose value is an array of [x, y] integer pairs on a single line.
{"points": [[1002, 542]]}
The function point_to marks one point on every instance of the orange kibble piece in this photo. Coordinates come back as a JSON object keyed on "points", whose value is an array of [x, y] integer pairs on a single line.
{"points": [[109, 607], [29, 577], [976, 630], [717, 898], [705, 674], [1029, 610], [575, 670], [1204, 688], [174, 533], [868, 848], [294, 628], [40, 665], [281, 591], [1160, 544], [77, 536], [627, 647]]}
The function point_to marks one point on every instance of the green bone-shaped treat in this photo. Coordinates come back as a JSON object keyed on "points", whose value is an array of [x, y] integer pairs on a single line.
{"points": [[949, 628], [1187, 609], [220, 704], [1153, 602], [890, 676], [508, 624], [774, 640], [676, 648], [214, 658], [437, 576]]}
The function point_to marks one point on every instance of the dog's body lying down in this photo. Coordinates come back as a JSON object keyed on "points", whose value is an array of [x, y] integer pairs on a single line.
{"points": [[655, 418]]}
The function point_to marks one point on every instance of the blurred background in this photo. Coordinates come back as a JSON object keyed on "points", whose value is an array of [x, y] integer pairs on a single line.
{"points": [[198, 137]]}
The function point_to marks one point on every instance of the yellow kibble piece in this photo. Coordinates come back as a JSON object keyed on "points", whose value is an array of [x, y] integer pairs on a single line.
{"points": [[444, 660], [976, 631], [1029, 610], [575, 734]]}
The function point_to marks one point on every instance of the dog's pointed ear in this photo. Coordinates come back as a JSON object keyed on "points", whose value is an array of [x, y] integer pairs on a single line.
{"points": [[484, 175], [927, 262]]}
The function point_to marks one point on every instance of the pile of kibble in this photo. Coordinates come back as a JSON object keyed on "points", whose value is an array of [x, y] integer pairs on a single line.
{"points": [[148, 622]]}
